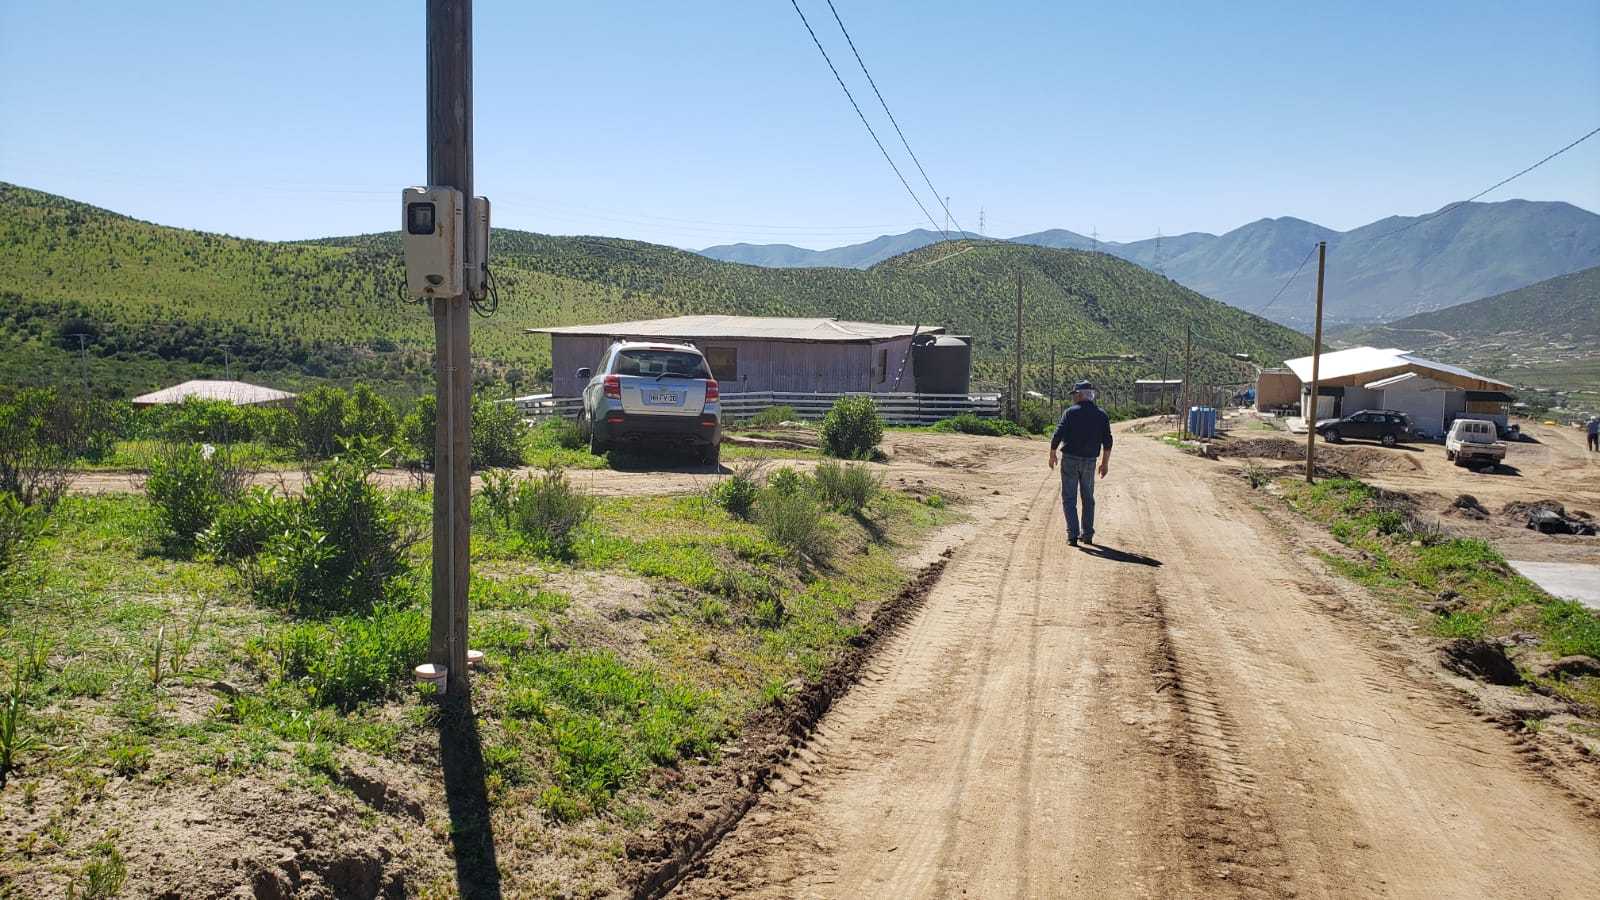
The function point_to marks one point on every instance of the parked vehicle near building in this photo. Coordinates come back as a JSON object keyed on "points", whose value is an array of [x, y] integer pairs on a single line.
{"points": [[1385, 426], [1473, 442], [652, 396]]}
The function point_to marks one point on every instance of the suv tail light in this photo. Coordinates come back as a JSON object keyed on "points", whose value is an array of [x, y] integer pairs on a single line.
{"points": [[613, 387], [712, 391]]}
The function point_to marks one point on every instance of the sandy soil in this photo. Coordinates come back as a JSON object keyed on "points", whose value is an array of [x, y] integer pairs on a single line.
{"points": [[1558, 467], [1202, 711], [938, 459]]}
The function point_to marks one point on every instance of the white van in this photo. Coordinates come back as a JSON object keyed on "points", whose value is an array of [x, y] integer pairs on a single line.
{"points": [[1473, 442]]}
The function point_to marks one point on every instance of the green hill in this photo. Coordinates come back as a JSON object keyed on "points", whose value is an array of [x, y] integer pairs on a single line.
{"points": [[1540, 337], [155, 304]]}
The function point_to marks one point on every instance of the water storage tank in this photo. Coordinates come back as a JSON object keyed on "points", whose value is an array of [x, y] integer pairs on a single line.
{"points": [[942, 363]]}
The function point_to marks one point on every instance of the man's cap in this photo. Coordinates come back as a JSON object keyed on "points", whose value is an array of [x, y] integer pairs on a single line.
{"points": [[1083, 386]]}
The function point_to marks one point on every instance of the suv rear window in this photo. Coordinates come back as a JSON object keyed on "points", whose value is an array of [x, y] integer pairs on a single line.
{"points": [[661, 362]]}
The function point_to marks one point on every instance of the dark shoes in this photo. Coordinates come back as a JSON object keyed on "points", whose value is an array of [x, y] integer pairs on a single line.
{"points": [[1072, 542], [1088, 537]]}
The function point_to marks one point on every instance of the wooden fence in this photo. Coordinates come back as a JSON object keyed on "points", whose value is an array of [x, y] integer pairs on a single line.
{"points": [[894, 409]]}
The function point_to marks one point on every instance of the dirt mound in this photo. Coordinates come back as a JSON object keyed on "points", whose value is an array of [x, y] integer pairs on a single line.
{"points": [[1468, 506], [1350, 460], [1481, 660], [1262, 448], [1520, 510]]}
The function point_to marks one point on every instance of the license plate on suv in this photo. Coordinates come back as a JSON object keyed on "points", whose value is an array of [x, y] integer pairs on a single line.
{"points": [[664, 398]]}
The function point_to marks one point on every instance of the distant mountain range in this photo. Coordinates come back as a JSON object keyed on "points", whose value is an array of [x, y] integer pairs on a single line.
{"points": [[1385, 270], [1562, 311], [147, 305]]}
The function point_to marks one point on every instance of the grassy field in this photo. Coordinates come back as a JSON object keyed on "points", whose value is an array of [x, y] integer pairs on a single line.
{"points": [[154, 685], [1410, 562]]}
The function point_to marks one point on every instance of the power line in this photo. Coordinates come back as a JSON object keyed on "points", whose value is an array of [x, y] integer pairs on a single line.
{"points": [[825, 58], [1286, 284], [907, 144], [1500, 183]]}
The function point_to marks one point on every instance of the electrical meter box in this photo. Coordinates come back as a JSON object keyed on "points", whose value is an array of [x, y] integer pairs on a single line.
{"points": [[432, 225], [478, 249]]}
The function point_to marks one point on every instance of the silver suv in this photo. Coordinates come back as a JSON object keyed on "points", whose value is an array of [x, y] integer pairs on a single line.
{"points": [[648, 395]]}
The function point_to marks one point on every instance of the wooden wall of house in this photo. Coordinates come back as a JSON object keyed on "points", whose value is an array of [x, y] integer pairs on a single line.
{"points": [[763, 365]]}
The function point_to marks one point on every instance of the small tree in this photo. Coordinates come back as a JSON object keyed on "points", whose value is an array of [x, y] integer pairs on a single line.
{"points": [[852, 429]]}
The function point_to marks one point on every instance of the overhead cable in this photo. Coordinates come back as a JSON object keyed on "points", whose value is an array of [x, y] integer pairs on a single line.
{"points": [[907, 144], [864, 121]]}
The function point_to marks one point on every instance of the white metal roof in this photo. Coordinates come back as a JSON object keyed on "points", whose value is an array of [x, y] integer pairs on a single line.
{"points": [[759, 327], [1363, 360], [238, 393]]}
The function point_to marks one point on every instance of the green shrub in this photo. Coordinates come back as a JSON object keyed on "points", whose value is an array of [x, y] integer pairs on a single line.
{"points": [[320, 416], [351, 660], [773, 416], [787, 481], [341, 546], [1038, 417], [370, 416], [846, 488], [187, 489], [737, 492], [558, 432], [795, 522], [498, 435], [197, 420], [547, 511], [243, 528], [851, 429], [19, 527], [42, 433], [497, 488], [967, 423]]}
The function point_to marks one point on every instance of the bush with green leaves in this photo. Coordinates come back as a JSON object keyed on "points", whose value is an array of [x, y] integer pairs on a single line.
{"points": [[370, 416], [498, 434], [351, 660], [559, 432], [320, 416], [852, 429], [187, 486], [42, 433], [341, 546], [773, 416], [19, 527], [496, 491], [967, 423], [737, 493], [1038, 417], [846, 488], [197, 420], [547, 511], [242, 528], [785, 480], [797, 523]]}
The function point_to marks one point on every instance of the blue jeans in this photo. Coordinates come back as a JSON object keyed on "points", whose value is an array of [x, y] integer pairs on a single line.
{"points": [[1077, 477]]}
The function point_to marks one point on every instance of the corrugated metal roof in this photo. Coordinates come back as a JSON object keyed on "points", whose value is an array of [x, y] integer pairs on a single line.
{"points": [[759, 327], [1363, 360], [238, 393]]}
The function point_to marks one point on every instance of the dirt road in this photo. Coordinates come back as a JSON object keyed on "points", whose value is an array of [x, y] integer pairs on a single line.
{"points": [[1199, 712]]}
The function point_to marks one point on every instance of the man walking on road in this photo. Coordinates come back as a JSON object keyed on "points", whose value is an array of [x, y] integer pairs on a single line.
{"points": [[1084, 433], [1594, 434]]}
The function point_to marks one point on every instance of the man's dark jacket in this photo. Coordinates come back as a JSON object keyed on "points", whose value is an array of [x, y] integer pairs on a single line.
{"points": [[1084, 429]]}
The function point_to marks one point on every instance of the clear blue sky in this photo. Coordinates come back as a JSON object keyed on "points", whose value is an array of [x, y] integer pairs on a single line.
{"points": [[705, 122]]}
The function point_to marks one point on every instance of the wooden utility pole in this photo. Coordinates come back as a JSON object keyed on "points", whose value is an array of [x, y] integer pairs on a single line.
{"points": [[1018, 392], [1310, 415], [450, 165], [1183, 405], [1052, 380]]}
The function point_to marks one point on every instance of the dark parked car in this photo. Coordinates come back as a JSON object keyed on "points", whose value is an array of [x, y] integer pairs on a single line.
{"points": [[1383, 425]]}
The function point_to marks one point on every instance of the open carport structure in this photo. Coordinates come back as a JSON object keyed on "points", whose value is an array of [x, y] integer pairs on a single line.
{"points": [[1432, 393]]}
